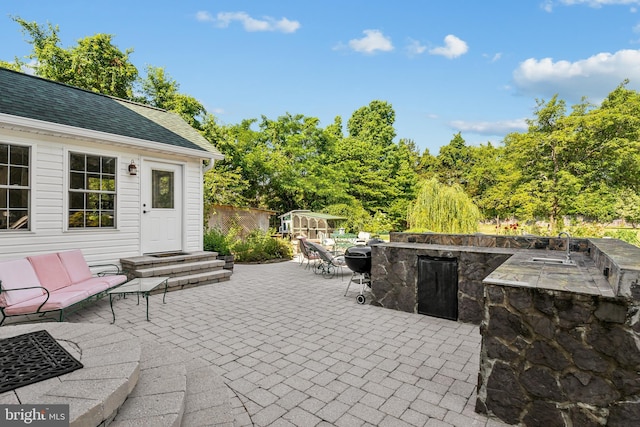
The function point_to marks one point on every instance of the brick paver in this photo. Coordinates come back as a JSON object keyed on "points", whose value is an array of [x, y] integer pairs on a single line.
{"points": [[295, 351]]}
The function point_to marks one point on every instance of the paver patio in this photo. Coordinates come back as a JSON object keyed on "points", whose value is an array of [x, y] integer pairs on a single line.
{"points": [[295, 351]]}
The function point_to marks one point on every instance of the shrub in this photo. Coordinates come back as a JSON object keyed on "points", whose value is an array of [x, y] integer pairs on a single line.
{"points": [[259, 246], [629, 236], [215, 240]]}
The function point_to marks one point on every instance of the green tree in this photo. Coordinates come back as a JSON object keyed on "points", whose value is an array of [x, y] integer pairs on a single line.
{"points": [[405, 163], [224, 184], [161, 91], [454, 161], [441, 208], [427, 165], [541, 187], [575, 164], [373, 123], [15, 66], [364, 159], [95, 63]]}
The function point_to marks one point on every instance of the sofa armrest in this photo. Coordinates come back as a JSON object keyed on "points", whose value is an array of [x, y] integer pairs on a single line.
{"points": [[30, 287], [110, 269]]}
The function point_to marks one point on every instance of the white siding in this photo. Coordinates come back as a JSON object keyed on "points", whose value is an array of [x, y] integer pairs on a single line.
{"points": [[193, 212], [49, 192]]}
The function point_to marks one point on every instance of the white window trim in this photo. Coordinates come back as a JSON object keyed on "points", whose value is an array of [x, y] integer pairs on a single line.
{"points": [[65, 192], [32, 183]]}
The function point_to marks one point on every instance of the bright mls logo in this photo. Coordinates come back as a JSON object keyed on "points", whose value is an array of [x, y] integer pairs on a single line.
{"points": [[34, 415]]}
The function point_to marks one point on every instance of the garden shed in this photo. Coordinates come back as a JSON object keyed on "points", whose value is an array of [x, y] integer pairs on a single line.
{"points": [[313, 225]]}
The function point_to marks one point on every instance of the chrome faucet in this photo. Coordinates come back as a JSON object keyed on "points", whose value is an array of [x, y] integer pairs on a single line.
{"points": [[568, 260]]}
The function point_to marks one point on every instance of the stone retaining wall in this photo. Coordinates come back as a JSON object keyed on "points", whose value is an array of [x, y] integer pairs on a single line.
{"points": [[556, 358]]}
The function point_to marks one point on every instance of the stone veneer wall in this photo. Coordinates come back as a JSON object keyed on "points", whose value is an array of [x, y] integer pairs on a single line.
{"points": [[556, 358], [394, 276], [394, 271], [492, 241]]}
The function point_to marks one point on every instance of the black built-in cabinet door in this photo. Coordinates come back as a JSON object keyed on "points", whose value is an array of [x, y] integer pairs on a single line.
{"points": [[438, 287]]}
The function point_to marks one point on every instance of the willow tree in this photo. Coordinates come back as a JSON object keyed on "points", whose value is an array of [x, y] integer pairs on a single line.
{"points": [[442, 209]]}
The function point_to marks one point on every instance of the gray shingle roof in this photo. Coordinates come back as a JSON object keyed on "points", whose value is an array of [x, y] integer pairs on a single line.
{"points": [[32, 97]]}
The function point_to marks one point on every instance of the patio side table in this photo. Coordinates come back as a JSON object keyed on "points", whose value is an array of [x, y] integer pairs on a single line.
{"points": [[139, 286]]}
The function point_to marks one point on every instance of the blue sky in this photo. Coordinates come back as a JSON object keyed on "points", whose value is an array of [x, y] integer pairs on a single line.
{"points": [[446, 66]]}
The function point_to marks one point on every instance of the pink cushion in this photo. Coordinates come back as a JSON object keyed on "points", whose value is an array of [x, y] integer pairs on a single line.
{"points": [[75, 264], [50, 271], [18, 274], [57, 300], [92, 286], [115, 280]]}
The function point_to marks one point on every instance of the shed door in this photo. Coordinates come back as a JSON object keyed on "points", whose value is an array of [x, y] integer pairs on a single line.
{"points": [[161, 207]]}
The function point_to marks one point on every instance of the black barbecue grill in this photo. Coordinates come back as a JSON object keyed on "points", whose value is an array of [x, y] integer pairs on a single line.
{"points": [[358, 259]]}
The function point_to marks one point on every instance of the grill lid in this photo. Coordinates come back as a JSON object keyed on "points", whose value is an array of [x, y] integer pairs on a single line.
{"points": [[358, 252]]}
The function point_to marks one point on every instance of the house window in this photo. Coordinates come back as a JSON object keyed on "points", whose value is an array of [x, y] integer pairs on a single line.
{"points": [[92, 191], [15, 189]]}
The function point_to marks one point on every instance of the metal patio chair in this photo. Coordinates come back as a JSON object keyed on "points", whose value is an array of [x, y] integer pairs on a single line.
{"points": [[330, 262], [306, 253]]}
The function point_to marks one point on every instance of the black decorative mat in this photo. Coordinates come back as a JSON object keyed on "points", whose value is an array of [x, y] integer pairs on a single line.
{"points": [[30, 358]]}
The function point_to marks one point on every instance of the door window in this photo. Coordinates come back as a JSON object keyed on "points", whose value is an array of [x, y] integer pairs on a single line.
{"points": [[162, 194]]}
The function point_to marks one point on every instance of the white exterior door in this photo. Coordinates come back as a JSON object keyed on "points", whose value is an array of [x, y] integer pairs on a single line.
{"points": [[162, 206]]}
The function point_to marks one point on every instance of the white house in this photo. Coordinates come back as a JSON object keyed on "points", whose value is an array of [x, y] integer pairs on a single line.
{"points": [[108, 176]]}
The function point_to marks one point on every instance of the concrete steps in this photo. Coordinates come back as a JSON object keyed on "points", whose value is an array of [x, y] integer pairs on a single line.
{"points": [[127, 382], [184, 269], [159, 396], [175, 390]]}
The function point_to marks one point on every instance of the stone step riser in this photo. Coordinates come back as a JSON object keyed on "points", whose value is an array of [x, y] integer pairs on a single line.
{"points": [[185, 282], [200, 279], [178, 269], [144, 265], [147, 261]]}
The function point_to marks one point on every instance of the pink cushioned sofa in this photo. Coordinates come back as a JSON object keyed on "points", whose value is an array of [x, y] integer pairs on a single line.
{"points": [[52, 282]]}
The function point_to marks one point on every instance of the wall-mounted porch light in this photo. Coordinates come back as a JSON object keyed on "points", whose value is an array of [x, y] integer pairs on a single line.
{"points": [[133, 169]]}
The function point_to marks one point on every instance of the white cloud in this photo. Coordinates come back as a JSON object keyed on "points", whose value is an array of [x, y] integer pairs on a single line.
{"points": [[548, 5], [415, 48], [493, 58], [599, 3], [204, 16], [593, 77], [224, 19], [501, 127], [453, 47], [373, 41]]}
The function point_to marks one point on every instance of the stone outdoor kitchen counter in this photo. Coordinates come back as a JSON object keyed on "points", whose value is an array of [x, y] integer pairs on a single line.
{"points": [[560, 342], [583, 277]]}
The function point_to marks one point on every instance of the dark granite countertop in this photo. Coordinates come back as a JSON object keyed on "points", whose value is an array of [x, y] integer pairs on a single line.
{"points": [[521, 270]]}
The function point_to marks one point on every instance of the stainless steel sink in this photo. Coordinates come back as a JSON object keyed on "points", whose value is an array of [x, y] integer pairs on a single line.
{"points": [[554, 261]]}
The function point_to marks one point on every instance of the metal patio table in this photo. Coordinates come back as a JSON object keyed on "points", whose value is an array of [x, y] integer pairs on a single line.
{"points": [[139, 286]]}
